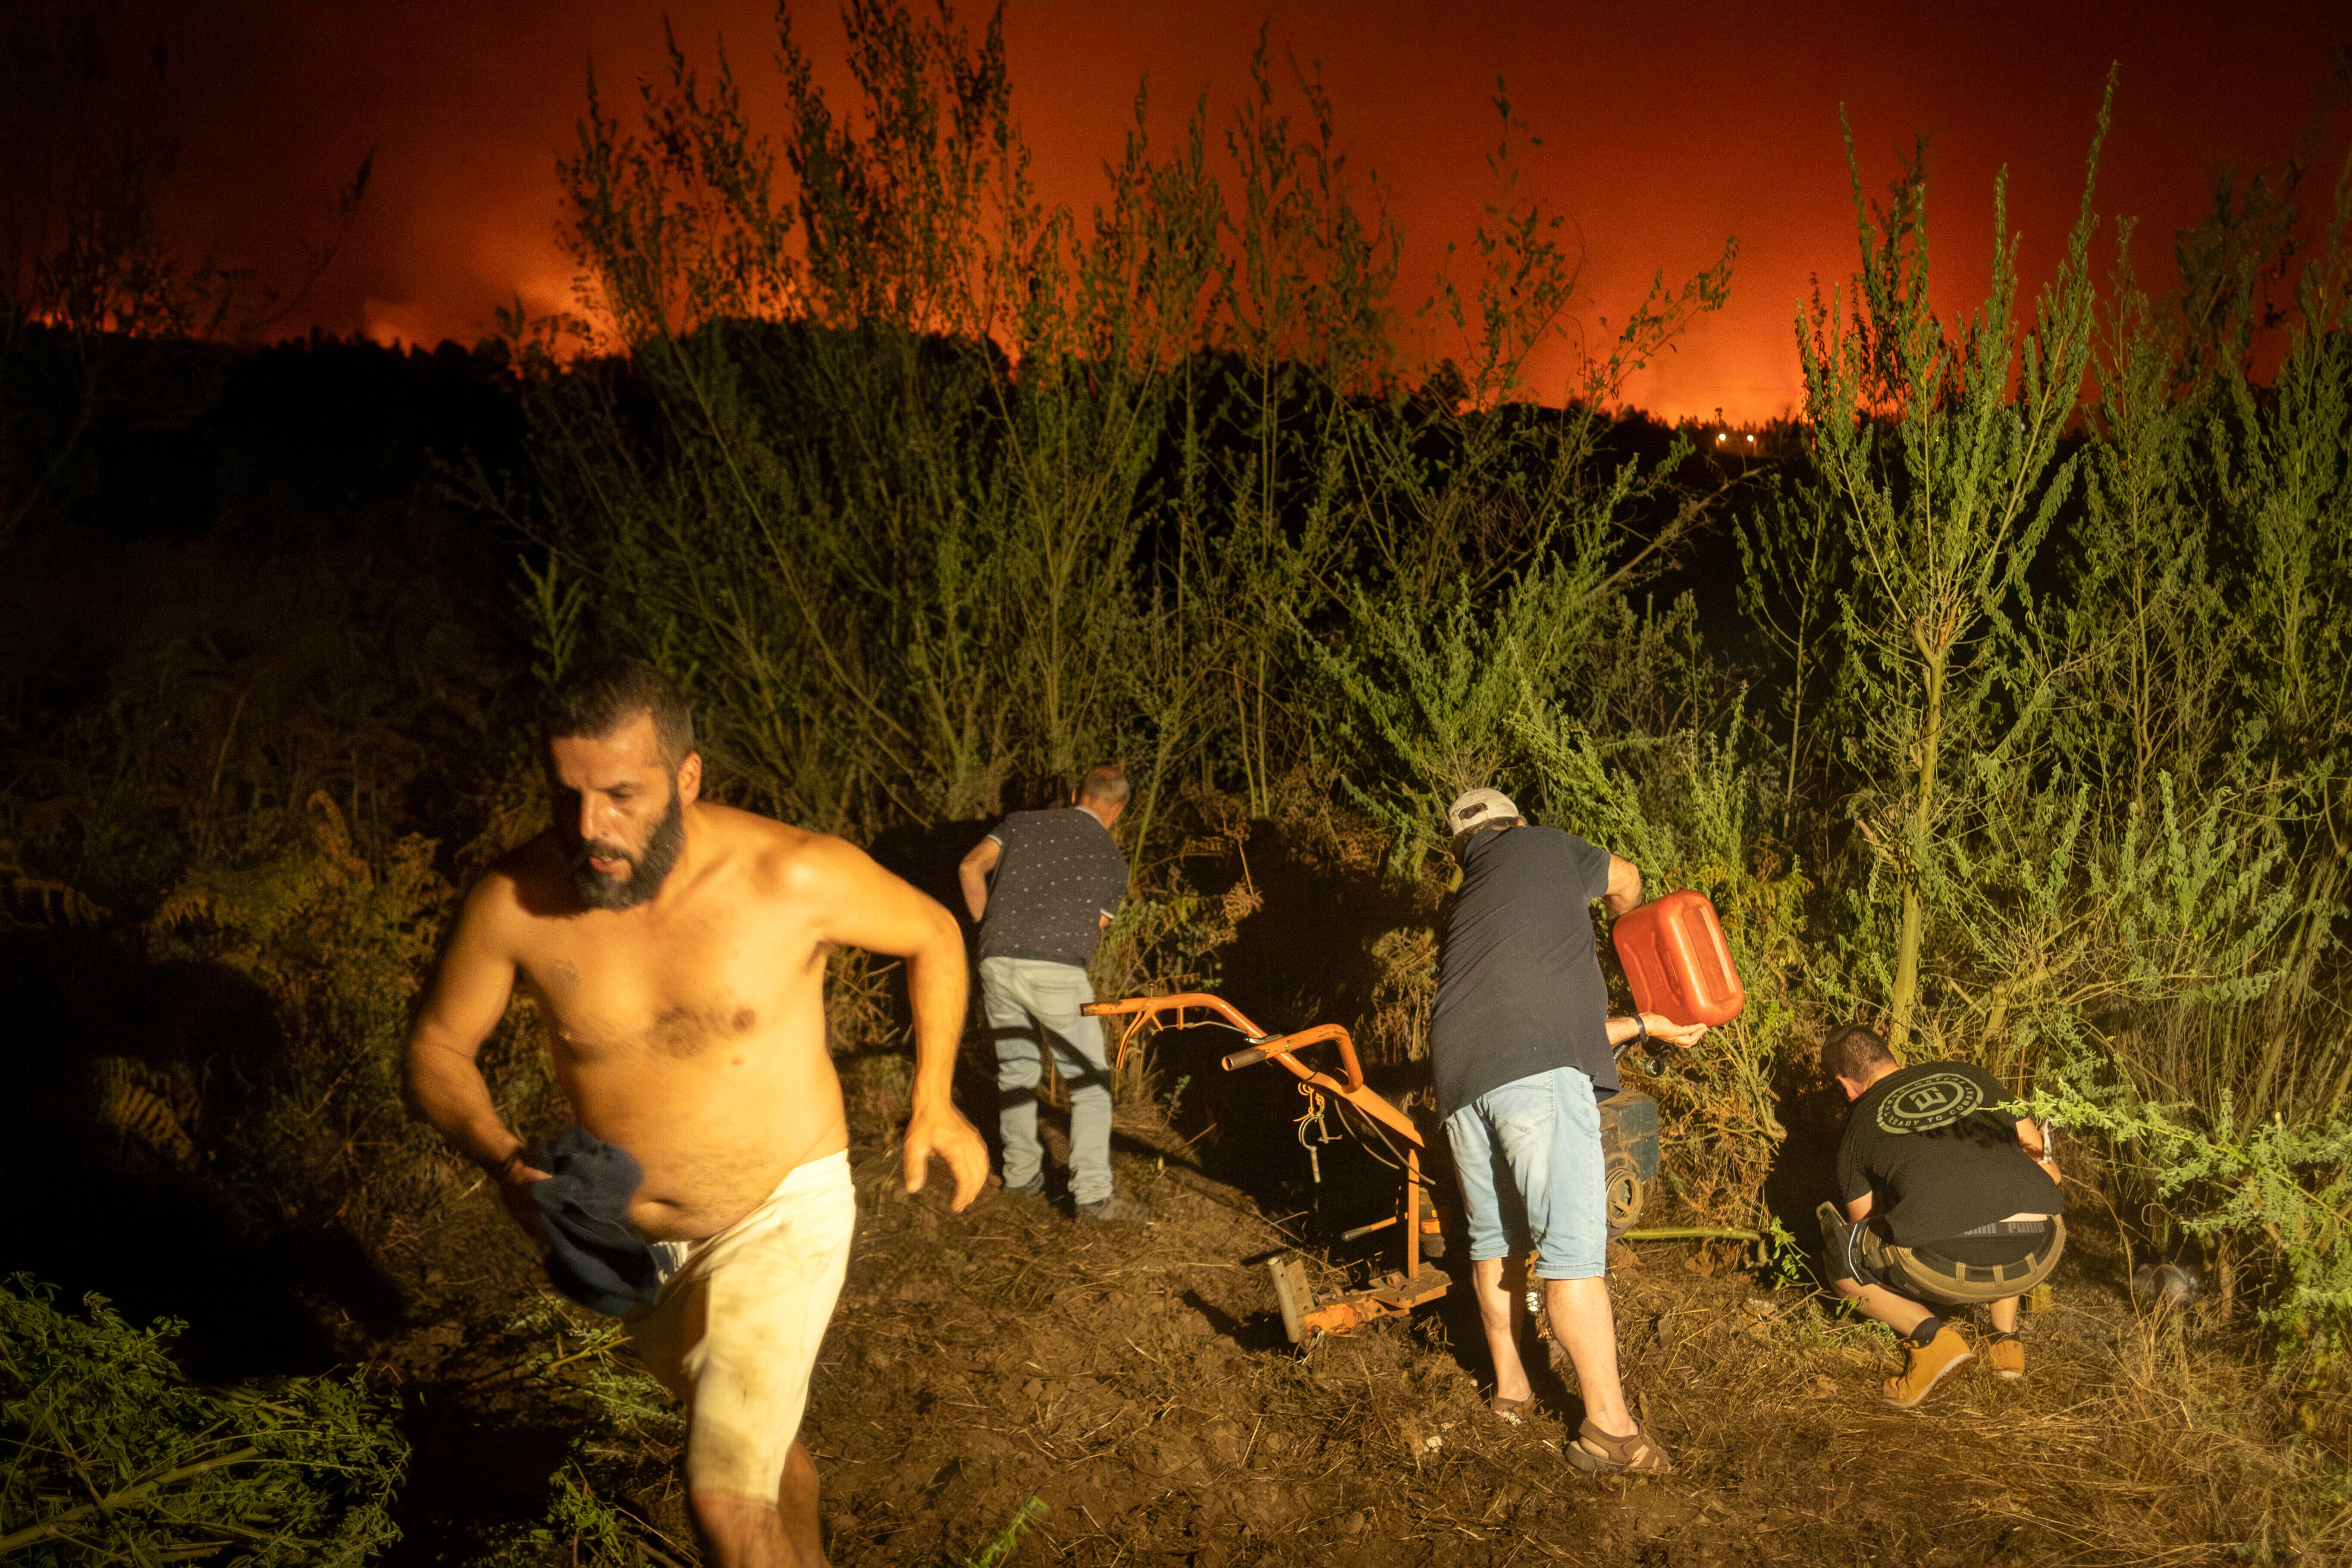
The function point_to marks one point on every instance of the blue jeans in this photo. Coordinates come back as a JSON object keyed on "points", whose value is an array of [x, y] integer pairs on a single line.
{"points": [[1528, 1156], [1025, 997]]}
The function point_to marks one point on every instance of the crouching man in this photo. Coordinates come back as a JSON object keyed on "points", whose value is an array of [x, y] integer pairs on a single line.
{"points": [[1524, 1052], [675, 951], [1950, 1202]]}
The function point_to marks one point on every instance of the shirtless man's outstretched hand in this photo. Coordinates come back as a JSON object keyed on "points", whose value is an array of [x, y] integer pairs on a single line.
{"points": [[938, 1128]]}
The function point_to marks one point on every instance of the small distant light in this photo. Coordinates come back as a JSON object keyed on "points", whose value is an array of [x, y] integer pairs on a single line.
{"points": [[1751, 440], [1718, 436]]}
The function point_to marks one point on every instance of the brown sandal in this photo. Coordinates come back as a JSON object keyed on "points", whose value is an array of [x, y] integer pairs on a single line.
{"points": [[1510, 1410], [1634, 1454]]}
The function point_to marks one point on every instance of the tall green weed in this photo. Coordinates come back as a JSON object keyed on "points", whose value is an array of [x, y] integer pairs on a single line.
{"points": [[108, 1454]]}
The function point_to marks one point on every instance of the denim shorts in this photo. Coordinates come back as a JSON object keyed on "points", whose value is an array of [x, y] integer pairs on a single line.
{"points": [[1528, 1156]]}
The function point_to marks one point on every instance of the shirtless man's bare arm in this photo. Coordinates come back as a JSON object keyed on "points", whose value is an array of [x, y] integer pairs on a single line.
{"points": [[468, 996], [871, 909]]}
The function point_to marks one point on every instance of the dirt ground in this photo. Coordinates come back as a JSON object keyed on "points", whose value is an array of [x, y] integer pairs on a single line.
{"points": [[1135, 1383]]}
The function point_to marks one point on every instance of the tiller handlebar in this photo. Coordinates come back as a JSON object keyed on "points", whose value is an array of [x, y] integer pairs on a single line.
{"points": [[1392, 1293], [1263, 1047]]}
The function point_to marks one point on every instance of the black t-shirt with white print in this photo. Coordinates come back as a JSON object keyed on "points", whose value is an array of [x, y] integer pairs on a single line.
{"points": [[1932, 1143]]}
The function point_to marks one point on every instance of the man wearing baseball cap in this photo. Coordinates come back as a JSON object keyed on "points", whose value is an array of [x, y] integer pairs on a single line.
{"points": [[1524, 1051]]}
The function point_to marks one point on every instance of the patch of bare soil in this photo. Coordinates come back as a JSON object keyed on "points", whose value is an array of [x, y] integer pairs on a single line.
{"points": [[1134, 1380], [1137, 1381]]}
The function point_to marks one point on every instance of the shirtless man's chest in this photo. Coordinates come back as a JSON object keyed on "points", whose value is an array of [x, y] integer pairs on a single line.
{"points": [[692, 1034]]}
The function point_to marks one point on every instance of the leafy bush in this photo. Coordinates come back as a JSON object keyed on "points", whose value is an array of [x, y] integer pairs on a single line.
{"points": [[2237, 1179], [630, 1426], [339, 945], [108, 1455]]}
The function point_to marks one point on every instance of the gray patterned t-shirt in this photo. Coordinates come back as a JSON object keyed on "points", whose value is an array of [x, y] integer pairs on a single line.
{"points": [[1057, 876]]}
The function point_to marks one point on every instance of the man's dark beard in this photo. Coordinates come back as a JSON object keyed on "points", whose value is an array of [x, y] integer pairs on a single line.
{"points": [[646, 874]]}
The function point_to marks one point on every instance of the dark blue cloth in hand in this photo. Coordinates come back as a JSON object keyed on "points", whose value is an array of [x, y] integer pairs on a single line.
{"points": [[594, 1257]]}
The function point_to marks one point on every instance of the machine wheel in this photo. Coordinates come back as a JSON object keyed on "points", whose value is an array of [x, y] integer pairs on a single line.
{"points": [[1621, 1182]]}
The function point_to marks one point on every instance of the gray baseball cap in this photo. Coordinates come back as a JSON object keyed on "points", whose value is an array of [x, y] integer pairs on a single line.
{"points": [[1476, 808]]}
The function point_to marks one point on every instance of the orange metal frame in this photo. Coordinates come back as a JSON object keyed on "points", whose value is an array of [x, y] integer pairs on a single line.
{"points": [[1389, 1294]]}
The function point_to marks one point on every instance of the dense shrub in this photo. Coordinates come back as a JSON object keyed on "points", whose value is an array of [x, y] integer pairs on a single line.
{"points": [[108, 1454]]}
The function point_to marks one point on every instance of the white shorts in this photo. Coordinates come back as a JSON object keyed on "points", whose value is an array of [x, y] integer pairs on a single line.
{"points": [[736, 1332]]}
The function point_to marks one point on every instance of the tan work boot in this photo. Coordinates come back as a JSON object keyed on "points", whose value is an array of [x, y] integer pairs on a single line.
{"points": [[2008, 1357], [1931, 1364]]}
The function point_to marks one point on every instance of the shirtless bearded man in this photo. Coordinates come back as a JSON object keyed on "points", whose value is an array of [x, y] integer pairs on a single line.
{"points": [[677, 950]]}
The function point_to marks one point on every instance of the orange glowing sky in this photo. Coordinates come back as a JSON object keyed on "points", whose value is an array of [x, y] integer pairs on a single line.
{"points": [[1666, 127]]}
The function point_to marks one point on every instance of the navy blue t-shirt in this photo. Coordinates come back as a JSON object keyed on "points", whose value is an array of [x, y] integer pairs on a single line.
{"points": [[1520, 990], [1057, 874]]}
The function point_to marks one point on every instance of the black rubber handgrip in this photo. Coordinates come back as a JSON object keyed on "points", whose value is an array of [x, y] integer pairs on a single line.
{"points": [[1242, 1058]]}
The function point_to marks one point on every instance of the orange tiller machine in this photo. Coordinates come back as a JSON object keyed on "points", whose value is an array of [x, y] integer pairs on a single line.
{"points": [[1385, 1128]]}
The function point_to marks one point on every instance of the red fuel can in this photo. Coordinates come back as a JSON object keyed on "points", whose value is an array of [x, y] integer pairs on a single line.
{"points": [[1677, 962]]}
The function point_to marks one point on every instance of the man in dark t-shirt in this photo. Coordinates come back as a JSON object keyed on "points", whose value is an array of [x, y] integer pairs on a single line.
{"points": [[1058, 878], [1932, 1166], [1523, 1050]]}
